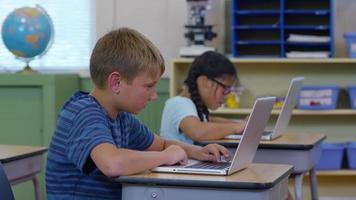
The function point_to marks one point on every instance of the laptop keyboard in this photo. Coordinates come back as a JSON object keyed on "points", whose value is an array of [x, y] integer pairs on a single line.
{"points": [[210, 165], [267, 132]]}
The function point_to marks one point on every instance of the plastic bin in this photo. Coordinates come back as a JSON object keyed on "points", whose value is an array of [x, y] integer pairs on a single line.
{"points": [[331, 156], [352, 95], [350, 38], [317, 97], [351, 154]]}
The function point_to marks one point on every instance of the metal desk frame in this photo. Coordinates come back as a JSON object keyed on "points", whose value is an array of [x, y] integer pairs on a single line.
{"points": [[300, 150], [23, 163], [253, 183]]}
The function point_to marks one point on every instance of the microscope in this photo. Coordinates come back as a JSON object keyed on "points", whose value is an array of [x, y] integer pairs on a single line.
{"points": [[198, 32]]}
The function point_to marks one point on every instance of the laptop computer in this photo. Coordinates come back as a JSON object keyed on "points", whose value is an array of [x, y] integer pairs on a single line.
{"points": [[285, 114], [245, 152]]}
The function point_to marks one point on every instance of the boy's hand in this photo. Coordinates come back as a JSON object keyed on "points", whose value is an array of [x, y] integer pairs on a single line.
{"points": [[175, 155], [213, 152]]}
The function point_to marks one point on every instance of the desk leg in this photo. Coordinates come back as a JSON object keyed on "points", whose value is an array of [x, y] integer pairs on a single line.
{"points": [[36, 185], [298, 187], [313, 184]]}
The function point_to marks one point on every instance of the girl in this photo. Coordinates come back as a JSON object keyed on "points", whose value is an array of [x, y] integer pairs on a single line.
{"points": [[186, 117]]}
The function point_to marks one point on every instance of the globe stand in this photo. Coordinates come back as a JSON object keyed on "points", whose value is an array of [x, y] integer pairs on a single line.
{"points": [[27, 70]]}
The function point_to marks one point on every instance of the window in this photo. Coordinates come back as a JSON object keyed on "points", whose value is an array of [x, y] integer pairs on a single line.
{"points": [[74, 33]]}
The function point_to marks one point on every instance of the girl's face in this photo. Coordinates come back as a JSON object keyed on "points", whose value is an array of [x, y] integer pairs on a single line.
{"points": [[214, 94]]}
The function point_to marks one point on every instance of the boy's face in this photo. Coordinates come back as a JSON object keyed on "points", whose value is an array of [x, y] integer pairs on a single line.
{"points": [[140, 91]]}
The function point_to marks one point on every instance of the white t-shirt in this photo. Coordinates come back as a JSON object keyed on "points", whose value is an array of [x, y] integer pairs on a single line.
{"points": [[175, 110]]}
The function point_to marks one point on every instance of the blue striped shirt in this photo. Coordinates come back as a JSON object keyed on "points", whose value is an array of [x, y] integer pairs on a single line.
{"points": [[82, 124]]}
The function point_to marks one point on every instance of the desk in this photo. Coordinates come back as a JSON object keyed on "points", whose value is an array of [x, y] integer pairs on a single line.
{"points": [[300, 150], [257, 182], [22, 163]]}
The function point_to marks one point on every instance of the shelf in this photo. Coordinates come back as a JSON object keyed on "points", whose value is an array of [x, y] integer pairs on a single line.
{"points": [[342, 172], [308, 43], [257, 27], [343, 61], [310, 12], [276, 56], [268, 76], [257, 12], [246, 111], [306, 27], [258, 42]]}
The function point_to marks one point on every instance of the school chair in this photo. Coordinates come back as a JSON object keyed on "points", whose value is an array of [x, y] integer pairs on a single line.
{"points": [[5, 187]]}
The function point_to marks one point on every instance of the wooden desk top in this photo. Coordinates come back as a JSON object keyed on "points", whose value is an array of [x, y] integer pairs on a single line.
{"points": [[15, 152], [302, 141], [256, 176]]}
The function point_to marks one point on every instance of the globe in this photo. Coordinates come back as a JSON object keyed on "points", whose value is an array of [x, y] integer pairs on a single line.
{"points": [[27, 33]]}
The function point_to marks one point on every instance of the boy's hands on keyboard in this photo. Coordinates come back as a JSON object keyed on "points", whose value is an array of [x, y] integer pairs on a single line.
{"points": [[213, 152], [224, 159], [175, 156]]}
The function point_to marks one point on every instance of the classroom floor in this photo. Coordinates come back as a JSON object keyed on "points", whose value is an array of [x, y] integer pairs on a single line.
{"points": [[330, 187]]}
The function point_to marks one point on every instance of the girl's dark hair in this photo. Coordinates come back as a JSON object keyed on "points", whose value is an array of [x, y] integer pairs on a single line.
{"points": [[212, 65]]}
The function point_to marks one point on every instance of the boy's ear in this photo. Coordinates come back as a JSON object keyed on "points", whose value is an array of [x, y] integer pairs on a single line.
{"points": [[114, 82]]}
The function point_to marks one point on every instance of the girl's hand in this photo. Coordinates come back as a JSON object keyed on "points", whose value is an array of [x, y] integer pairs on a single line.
{"points": [[240, 125]]}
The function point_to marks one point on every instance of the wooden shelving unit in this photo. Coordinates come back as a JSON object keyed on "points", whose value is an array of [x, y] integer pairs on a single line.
{"points": [[245, 111], [342, 172], [266, 77]]}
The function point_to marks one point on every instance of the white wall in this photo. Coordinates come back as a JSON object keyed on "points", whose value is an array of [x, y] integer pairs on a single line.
{"points": [[162, 21], [345, 21]]}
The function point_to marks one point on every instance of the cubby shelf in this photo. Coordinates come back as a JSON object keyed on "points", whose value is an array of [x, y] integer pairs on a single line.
{"points": [[276, 20]]}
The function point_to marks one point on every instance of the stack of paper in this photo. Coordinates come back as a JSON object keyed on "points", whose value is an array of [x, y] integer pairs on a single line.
{"points": [[307, 54], [308, 38]]}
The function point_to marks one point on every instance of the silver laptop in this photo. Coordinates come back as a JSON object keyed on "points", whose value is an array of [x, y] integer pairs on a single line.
{"points": [[245, 152], [286, 112]]}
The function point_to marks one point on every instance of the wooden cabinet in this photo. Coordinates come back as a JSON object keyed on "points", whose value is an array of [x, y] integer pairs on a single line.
{"points": [[29, 106]]}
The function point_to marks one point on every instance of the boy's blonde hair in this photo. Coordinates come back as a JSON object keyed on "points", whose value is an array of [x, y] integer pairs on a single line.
{"points": [[126, 51]]}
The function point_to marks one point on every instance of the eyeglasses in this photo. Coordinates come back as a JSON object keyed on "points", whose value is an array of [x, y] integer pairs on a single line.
{"points": [[227, 89]]}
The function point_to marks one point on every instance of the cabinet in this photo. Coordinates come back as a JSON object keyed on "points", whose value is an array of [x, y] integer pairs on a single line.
{"points": [[29, 105], [276, 28], [261, 77]]}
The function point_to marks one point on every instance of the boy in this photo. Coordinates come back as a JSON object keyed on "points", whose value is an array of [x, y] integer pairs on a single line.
{"points": [[96, 136]]}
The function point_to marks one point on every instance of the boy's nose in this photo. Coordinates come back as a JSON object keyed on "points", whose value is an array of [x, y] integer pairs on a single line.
{"points": [[154, 96]]}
